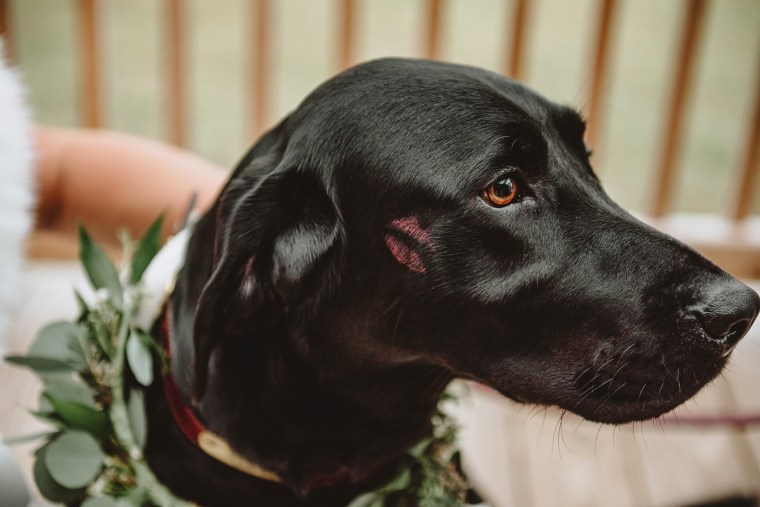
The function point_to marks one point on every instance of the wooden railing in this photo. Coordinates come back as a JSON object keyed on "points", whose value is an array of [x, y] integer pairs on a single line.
{"points": [[733, 241]]}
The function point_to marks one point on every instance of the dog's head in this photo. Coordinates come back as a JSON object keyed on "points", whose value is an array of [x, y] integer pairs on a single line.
{"points": [[414, 212]]}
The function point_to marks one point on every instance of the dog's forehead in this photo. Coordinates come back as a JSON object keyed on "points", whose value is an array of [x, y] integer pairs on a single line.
{"points": [[418, 124]]}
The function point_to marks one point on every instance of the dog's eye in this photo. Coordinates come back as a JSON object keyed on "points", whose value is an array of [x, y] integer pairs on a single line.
{"points": [[501, 192]]}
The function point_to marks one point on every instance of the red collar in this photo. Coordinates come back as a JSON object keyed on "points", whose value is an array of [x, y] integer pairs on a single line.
{"points": [[195, 431]]}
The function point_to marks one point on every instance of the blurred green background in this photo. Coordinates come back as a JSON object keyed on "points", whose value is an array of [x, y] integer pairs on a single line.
{"points": [[304, 53]]}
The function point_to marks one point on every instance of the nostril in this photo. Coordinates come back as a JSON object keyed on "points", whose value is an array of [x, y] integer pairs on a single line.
{"points": [[738, 331], [729, 313], [720, 326], [731, 333]]}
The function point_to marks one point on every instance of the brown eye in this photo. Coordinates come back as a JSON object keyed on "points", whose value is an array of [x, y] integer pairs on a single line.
{"points": [[501, 192]]}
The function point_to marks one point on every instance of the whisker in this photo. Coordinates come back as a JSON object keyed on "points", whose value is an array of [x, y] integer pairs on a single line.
{"points": [[615, 375], [561, 434], [620, 357], [678, 380], [641, 393], [589, 391], [596, 439], [662, 362], [618, 389], [590, 381]]}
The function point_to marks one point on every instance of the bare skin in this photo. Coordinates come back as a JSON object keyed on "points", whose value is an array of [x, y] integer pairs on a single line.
{"points": [[109, 180]]}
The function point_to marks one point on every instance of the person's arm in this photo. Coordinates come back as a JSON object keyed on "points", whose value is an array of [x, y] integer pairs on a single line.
{"points": [[108, 180]]}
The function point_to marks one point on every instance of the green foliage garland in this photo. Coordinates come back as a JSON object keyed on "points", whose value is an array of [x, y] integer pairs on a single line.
{"points": [[93, 454]]}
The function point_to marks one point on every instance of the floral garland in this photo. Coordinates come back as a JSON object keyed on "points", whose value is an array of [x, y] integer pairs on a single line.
{"points": [[93, 456]]}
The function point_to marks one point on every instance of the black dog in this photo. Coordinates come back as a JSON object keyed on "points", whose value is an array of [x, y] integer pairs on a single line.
{"points": [[410, 223]]}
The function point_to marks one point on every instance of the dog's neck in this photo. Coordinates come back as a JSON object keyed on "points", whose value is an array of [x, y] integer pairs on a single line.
{"points": [[304, 407], [311, 426]]}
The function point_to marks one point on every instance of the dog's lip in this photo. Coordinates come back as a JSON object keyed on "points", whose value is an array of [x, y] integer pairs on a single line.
{"points": [[628, 405], [625, 413], [646, 388], [621, 411]]}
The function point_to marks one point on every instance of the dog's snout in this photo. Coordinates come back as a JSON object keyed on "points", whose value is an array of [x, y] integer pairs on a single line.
{"points": [[728, 312]]}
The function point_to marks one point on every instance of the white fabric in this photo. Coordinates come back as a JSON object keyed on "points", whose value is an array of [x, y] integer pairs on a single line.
{"points": [[158, 280], [15, 188]]}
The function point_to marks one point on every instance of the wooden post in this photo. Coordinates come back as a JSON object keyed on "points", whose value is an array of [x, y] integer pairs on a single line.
{"points": [[749, 165], [517, 38], [89, 64], [434, 15], [599, 70], [260, 67], [176, 92], [6, 28], [346, 41], [691, 30]]}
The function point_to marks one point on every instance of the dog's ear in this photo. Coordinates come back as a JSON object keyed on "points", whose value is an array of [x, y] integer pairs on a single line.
{"points": [[277, 244]]}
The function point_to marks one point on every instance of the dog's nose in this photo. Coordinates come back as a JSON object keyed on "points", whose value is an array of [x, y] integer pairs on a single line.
{"points": [[728, 312]]}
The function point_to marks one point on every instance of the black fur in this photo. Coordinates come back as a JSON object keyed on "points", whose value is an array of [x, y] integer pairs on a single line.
{"points": [[314, 352]]}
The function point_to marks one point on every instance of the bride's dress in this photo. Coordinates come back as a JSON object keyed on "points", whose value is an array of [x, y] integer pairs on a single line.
{"points": [[15, 221], [15, 187]]}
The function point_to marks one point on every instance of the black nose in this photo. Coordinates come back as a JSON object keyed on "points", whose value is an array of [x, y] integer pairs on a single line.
{"points": [[728, 311]]}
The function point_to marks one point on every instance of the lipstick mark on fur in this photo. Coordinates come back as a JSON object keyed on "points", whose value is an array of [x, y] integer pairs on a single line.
{"points": [[404, 237]]}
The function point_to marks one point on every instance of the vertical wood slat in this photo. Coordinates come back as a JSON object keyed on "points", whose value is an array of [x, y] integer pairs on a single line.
{"points": [[600, 70], [176, 91], [260, 67], [691, 30], [347, 33], [89, 64], [6, 28], [517, 40], [749, 165], [433, 18]]}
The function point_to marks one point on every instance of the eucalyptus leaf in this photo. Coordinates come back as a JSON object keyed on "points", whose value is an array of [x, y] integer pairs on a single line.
{"points": [[126, 241], [77, 348], [401, 481], [419, 449], [74, 459], [44, 406], [156, 350], [80, 417], [101, 501], [140, 359], [40, 364], [99, 332], [367, 500], [136, 498], [147, 249], [22, 439], [81, 304], [60, 341], [99, 268], [56, 377], [48, 487], [137, 419], [47, 417], [71, 390]]}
